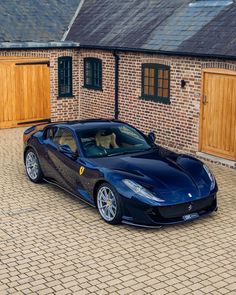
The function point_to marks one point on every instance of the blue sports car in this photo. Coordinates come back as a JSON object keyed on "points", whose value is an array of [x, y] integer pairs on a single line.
{"points": [[113, 166]]}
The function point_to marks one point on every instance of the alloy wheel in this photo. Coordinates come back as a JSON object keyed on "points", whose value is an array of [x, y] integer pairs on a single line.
{"points": [[32, 166], [107, 204]]}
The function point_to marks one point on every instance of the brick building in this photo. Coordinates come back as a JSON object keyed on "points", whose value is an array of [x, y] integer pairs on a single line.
{"points": [[168, 66]]}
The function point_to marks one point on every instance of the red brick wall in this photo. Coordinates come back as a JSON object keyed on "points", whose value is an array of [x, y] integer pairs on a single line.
{"points": [[61, 109], [66, 108], [96, 103], [176, 125]]}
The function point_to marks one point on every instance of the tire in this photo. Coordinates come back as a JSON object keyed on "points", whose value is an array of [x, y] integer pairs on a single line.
{"points": [[109, 204], [32, 166]]}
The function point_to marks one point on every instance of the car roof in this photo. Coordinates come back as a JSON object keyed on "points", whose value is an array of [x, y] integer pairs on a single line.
{"points": [[88, 123]]}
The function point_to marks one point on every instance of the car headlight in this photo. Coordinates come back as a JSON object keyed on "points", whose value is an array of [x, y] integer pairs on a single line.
{"points": [[211, 176], [140, 190]]}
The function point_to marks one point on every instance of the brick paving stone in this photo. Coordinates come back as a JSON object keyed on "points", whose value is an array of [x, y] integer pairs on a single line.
{"points": [[103, 292], [52, 243], [231, 287], [223, 291]]}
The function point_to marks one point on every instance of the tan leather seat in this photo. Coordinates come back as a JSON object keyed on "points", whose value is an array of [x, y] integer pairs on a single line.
{"points": [[106, 141], [68, 140]]}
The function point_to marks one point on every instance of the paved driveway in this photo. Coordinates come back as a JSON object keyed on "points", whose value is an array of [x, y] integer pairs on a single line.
{"points": [[52, 243]]}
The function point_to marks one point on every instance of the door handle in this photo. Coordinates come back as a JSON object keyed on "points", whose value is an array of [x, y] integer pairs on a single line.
{"points": [[204, 99]]}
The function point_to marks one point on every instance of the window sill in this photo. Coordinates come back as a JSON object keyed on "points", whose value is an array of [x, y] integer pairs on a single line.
{"points": [[163, 100], [66, 96], [93, 88]]}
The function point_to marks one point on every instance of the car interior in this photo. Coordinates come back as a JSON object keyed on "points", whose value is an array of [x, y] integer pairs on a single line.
{"points": [[106, 140], [110, 141], [65, 137], [62, 136]]}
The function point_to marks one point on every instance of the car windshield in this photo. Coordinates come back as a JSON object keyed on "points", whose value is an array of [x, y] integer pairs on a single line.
{"points": [[111, 141]]}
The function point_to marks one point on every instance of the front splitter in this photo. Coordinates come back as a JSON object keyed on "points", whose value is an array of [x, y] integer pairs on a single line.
{"points": [[141, 225]]}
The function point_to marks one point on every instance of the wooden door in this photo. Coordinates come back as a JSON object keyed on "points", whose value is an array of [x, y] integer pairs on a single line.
{"points": [[25, 88], [218, 127], [32, 92], [7, 92]]}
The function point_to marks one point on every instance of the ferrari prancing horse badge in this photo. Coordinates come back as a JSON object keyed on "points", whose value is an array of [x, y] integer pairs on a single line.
{"points": [[81, 170]]}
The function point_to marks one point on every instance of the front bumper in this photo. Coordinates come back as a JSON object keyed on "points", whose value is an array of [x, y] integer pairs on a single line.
{"points": [[140, 214]]}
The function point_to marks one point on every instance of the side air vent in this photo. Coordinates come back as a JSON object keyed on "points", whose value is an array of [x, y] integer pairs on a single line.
{"points": [[210, 3]]}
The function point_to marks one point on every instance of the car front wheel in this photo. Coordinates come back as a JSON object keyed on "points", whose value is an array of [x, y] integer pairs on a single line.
{"points": [[109, 204], [32, 166]]}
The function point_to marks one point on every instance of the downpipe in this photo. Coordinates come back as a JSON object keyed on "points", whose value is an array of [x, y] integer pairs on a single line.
{"points": [[117, 62]]}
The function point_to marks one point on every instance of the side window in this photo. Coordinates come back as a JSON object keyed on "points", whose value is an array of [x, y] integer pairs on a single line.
{"points": [[93, 73], [130, 136], [65, 76], [65, 137], [127, 131], [50, 133]]}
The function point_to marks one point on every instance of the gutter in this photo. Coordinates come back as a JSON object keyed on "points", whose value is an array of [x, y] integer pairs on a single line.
{"points": [[36, 45], [162, 52], [70, 44], [117, 59]]}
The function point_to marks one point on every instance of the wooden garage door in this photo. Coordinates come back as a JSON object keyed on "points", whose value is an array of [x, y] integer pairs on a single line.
{"points": [[24, 91], [218, 127]]}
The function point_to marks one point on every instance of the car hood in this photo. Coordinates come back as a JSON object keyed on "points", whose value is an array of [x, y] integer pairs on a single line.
{"points": [[167, 175]]}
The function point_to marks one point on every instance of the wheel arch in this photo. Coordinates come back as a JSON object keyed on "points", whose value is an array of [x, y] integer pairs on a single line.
{"points": [[25, 151], [29, 147], [95, 189], [40, 176]]}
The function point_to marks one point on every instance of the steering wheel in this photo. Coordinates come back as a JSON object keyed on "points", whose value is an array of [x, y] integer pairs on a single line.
{"points": [[92, 149]]}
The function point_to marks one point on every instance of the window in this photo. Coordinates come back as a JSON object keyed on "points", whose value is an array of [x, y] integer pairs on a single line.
{"points": [[50, 133], [156, 82], [93, 73], [65, 76], [64, 136]]}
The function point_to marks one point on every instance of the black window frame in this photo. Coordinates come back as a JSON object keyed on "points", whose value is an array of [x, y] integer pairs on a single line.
{"points": [[62, 76], [155, 96], [95, 65]]}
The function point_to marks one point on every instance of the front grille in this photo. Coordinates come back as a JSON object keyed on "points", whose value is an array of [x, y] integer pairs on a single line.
{"points": [[177, 211]]}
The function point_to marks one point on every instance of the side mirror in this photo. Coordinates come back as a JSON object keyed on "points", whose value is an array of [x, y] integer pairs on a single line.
{"points": [[65, 149], [152, 136]]}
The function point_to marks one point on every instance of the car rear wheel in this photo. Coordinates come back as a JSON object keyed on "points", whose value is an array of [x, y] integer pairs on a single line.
{"points": [[33, 169], [109, 204]]}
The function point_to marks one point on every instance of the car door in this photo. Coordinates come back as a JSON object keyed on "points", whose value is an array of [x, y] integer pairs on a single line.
{"points": [[64, 169], [65, 166], [48, 167]]}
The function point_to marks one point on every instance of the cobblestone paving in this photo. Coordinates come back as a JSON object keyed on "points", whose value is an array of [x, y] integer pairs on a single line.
{"points": [[52, 243]]}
